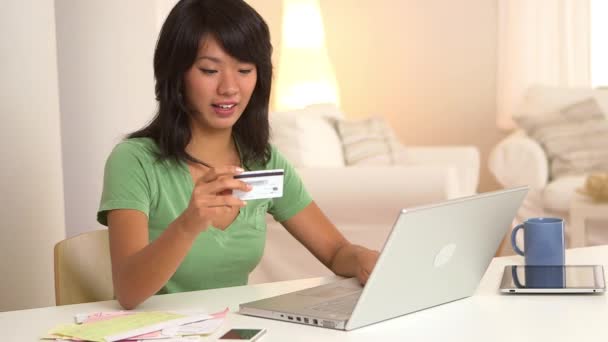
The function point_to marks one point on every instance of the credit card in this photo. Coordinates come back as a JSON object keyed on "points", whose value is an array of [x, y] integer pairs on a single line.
{"points": [[265, 184]]}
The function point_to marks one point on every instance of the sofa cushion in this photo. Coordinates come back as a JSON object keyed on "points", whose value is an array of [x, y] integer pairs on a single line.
{"points": [[575, 137], [307, 137], [558, 193], [368, 142]]}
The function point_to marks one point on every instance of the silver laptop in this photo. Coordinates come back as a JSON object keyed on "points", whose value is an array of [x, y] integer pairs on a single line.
{"points": [[434, 254]]}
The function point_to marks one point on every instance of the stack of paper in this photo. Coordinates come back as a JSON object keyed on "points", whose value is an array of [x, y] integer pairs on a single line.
{"points": [[137, 326]]}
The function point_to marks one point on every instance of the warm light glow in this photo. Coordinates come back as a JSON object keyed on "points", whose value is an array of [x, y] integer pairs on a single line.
{"points": [[304, 74]]}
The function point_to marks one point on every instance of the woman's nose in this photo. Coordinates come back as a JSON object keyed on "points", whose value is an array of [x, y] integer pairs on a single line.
{"points": [[228, 85]]}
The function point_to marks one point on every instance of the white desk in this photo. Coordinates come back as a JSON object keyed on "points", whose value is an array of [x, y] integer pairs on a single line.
{"points": [[487, 316]]}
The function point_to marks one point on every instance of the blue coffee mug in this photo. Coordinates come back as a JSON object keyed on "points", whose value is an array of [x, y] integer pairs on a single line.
{"points": [[543, 241]]}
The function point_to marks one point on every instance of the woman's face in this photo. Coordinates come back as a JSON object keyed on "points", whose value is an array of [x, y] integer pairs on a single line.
{"points": [[218, 87]]}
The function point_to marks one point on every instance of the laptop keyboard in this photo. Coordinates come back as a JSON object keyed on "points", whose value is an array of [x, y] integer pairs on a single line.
{"points": [[342, 305]]}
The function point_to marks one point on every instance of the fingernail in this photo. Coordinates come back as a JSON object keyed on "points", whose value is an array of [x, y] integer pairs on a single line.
{"points": [[243, 203], [238, 169]]}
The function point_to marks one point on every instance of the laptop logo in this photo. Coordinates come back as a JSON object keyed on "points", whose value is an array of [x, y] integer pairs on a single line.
{"points": [[444, 255]]}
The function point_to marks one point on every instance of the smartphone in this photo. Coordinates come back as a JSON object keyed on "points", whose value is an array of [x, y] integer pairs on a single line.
{"points": [[242, 335], [553, 279]]}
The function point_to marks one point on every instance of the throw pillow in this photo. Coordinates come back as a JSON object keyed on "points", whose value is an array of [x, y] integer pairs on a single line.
{"points": [[574, 138], [368, 141], [307, 137]]}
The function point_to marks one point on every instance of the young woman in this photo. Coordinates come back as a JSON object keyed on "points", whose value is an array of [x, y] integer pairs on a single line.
{"points": [[167, 197]]}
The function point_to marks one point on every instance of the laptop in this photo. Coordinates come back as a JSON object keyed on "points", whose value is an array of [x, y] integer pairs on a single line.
{"points": [[435, 254]]}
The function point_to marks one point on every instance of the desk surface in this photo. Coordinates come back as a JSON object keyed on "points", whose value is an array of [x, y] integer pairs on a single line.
{"points": [[486, 316]]}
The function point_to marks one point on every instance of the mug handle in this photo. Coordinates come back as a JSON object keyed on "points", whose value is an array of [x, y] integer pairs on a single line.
{"points": [[513, 242], [516, 278]]}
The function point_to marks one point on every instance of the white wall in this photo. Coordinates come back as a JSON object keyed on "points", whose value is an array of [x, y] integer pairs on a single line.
{"points": [[91, 61], [31, 200], [106, 82]]}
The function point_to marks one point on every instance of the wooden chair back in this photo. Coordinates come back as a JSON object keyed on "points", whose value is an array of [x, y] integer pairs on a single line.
{"points": [[83, 271]]}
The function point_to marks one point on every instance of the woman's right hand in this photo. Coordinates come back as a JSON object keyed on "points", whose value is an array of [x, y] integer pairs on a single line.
{"points": [[212, 197]]}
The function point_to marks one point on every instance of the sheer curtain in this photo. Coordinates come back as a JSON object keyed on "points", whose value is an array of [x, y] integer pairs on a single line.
{"points": [[540, 42], [599, 44]]}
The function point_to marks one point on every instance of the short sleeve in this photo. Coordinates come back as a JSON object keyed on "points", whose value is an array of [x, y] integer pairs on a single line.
{"points": [[125, 184], [295, 197]]}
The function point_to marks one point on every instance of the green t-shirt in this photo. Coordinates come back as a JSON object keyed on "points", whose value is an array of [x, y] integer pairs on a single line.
{"points": [[136, 179]]}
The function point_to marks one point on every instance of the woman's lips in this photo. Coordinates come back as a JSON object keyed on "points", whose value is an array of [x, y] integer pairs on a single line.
{"points": [[224, 109]]}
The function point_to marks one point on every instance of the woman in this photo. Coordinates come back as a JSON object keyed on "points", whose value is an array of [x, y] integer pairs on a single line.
{"points": [[167, 198]]}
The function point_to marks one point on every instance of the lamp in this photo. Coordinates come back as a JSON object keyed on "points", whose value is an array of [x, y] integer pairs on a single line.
{"points": [[304, 75]]}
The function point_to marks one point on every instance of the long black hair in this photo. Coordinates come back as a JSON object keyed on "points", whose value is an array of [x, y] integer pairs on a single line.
{"points": [[245, 36]]}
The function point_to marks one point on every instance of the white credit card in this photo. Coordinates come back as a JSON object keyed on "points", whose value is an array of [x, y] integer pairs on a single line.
{"points": [[265, 184]]}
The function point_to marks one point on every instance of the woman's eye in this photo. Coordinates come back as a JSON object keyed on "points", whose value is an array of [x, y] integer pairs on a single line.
{"points": [[208, 71], [245, 71]]}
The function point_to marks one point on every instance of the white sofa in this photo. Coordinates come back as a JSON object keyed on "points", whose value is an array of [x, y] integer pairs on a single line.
{"points": [[520, 160], [362, 201]]}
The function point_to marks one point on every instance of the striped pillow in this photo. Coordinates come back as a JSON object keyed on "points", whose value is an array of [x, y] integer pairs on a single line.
{"points": [[575, 138], [368, 141]]}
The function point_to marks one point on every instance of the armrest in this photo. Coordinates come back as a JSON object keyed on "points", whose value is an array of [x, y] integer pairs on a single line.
{"points": [[518, 160], [464, 159], [365, 194]]}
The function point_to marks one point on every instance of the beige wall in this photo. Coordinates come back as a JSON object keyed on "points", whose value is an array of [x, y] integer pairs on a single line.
{"points": [[427, 66], [106, 87], [31, 188]]}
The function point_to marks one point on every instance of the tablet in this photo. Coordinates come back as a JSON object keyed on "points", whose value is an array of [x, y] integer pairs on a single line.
{"points": [[553, 279]]}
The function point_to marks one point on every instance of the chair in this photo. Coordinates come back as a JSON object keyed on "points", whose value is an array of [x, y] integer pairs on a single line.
{"points": [[519, 159], [83, 272]]}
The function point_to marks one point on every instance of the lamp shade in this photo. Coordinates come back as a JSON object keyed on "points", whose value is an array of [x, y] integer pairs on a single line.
{"points": [[304, 75]]}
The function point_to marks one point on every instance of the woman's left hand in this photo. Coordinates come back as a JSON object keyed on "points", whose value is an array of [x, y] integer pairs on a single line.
{"points": [[366, 260]]}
